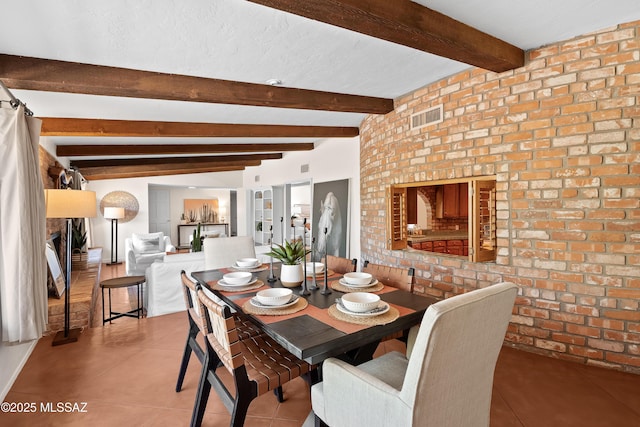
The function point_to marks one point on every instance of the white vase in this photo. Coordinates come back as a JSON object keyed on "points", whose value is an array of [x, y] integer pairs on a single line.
{"points": [[291, 275]]}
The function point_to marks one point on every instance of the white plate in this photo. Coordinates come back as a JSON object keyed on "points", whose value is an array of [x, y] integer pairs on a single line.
{"points": [[256, 265], [353, 313], [221, 282], [343, 282], [254, 302]]}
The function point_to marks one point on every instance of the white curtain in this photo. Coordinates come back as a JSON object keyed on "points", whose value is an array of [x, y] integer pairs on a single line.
{"points": [[23, 269]]}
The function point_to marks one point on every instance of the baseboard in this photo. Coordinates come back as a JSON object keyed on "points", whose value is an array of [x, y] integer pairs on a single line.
{"points": [[13, 357]]}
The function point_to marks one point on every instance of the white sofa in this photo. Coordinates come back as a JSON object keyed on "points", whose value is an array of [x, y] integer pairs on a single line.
{"points": [[163, 293], [141, 250]]}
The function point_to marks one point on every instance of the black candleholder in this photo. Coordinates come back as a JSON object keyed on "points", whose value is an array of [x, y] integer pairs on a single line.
{"points": [[272, 278], [314, 284], [325, 290], [304, 290]]}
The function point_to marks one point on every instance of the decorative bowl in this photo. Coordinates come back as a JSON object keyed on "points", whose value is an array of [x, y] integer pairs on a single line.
{"points": [[237, 277], [274, 296], [316, 267], [247, 262], [359, 302], [358, 278]]}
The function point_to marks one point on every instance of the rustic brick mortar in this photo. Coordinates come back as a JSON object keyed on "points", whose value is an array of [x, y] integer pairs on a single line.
{"points": [[562, 135]]}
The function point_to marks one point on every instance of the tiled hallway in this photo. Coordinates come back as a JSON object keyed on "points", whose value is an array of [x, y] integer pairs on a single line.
{"points": [[126, 373]]}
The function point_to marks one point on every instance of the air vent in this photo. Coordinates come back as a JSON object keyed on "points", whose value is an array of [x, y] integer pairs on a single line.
{"points": [[428, 117], [304, 168], [257, 178]]}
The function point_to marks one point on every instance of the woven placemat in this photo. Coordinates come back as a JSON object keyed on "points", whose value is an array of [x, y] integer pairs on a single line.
{"points": [[249, 308], [382, 319], [321, 275], [218, 287], [336, 285], [263, 267]]}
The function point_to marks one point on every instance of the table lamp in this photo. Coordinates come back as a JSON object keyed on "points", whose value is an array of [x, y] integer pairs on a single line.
{"points": [[114, 214], [69, 204]]}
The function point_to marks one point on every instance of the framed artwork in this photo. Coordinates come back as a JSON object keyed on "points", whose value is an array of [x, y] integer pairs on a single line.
{"points": [[55, 269], [201, 210], [331, 211]]}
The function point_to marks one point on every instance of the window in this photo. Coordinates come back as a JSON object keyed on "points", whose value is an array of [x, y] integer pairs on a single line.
{"points": [[455, 217]]}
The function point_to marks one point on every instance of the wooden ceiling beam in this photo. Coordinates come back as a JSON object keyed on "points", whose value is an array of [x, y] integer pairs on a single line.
{"points": [[410, 24], [196, 161], [166, 169], [166, 149], [19, 72], [95, 175], [55, 126]]}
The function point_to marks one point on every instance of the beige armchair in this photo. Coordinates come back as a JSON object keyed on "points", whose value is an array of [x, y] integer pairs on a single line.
{"points": [[446, 381], [142, 250]]}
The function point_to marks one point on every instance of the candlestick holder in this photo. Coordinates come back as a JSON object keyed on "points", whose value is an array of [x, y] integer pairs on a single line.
{"points": [[272, 278], [305, 290], [314, 284], [325, 290]]}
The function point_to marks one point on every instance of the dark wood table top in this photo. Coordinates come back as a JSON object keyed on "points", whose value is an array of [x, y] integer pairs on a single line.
{"points": [[310, 334]]}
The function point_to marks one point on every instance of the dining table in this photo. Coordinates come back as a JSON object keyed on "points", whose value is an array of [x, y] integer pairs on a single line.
{"points": [[313, 329]]}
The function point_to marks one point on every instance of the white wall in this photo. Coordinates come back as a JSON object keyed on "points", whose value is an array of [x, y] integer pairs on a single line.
{"points": [[332, 159], [100, 228]]}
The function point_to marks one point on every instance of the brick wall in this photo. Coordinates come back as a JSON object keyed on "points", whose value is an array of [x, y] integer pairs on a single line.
{"points": [[562, 135]]}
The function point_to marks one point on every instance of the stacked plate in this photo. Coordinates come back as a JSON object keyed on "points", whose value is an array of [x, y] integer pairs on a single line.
{"points": [[247, 263], [358, 280], [361, 304], [237, 279], [274, 298]]}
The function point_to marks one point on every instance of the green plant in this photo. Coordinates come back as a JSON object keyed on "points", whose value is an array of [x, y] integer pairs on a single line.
{"points": [[291, 253], [196, 244], [78, 238]]}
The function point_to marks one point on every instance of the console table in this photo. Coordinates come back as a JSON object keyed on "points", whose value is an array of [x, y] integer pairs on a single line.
{"points": [[186, 230]]}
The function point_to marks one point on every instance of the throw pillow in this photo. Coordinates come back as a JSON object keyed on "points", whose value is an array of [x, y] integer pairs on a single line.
{"points": [[148, 243]]}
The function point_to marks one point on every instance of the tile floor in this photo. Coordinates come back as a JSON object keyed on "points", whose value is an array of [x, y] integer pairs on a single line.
{"points": [[126, 373]]}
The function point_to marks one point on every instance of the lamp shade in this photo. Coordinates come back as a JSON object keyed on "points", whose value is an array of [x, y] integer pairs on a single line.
{"points": [[70, 203], [113, 213]]}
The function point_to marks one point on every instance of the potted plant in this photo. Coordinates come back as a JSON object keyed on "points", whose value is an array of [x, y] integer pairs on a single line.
{"points": [[291, 255], [79, 257]]}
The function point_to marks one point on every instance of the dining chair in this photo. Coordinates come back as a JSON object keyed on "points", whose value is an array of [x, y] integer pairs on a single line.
{"points": [[446, 381], [257, 364], [244, 327], [340, 265], [401, 278], [222, 252]]}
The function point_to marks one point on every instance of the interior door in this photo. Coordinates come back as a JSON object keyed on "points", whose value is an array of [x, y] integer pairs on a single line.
{"points": [[159, 211]]}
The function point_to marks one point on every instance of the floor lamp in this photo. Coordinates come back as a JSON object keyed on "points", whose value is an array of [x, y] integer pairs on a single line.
{"points": [[69, 204], [114, 214]]}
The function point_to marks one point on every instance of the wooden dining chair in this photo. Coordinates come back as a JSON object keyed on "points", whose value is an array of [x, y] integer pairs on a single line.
{"points": [[245, 328], [401, 278], [257, 364], [340, 265]]}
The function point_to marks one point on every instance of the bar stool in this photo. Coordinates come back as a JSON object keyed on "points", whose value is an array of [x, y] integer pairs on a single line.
{"points": [[122, 282]]}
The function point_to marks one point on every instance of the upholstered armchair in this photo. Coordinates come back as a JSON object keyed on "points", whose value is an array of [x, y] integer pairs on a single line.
{"points": [[446, 381], [141, 250]]}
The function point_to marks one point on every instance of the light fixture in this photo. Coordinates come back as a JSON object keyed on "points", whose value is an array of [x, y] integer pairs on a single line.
{"points": [[274, 82], [69, 204], [114, 214]]}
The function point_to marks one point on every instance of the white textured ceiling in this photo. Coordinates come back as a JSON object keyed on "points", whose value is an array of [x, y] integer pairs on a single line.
{"points": [[238, 40]]}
